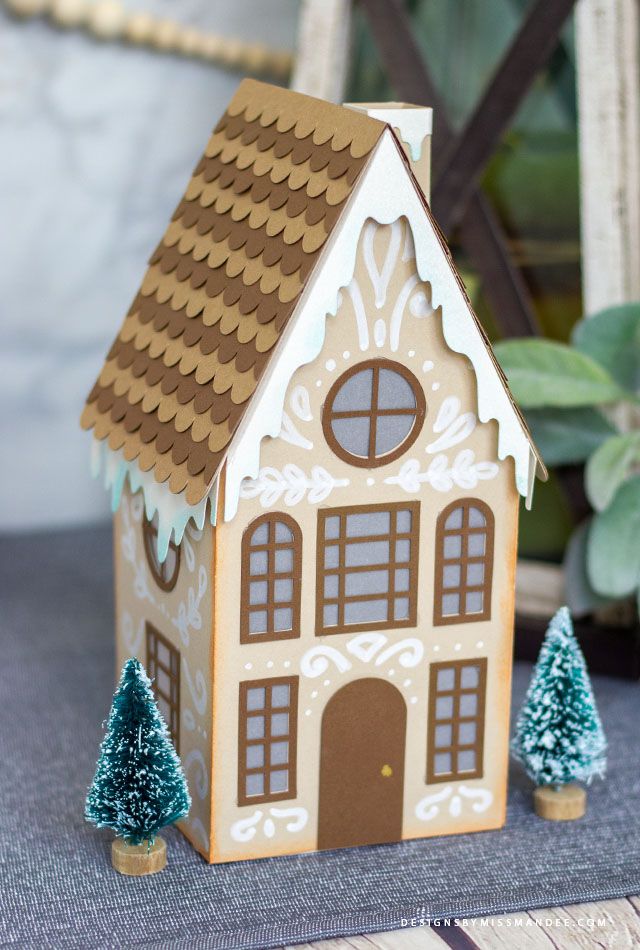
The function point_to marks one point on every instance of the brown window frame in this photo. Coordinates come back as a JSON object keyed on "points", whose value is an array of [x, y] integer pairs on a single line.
{"points": [[479, 719], [153, 636], [341, 571], [150, 539], [465, 531], [244, 742], [295, 576], [328, 415]]}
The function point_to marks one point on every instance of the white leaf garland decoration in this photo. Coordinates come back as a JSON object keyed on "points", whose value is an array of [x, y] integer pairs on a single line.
{"points": [[292, 484]]}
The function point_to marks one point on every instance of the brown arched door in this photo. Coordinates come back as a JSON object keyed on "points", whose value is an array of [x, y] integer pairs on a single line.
{"points": [[362, 765]]}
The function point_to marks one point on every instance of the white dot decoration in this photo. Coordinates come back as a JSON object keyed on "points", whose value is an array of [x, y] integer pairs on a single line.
{"points": [[287, 664], [413, 700], [307, 712], [346, 355], [436, 648], [327, 683], [411, 353], [248, 666], [457, 647], [427, 366], [479, 644], [407, 683], [371, 481], [314, 694], [392, 672], [318, 383], [330, 365], [436, 387]]}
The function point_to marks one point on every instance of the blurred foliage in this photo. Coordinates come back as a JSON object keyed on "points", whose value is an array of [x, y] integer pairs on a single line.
{"points": [[532, 179]]}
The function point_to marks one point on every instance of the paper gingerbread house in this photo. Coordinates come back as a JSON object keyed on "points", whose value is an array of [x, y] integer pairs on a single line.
{"points": [[316, 467]]}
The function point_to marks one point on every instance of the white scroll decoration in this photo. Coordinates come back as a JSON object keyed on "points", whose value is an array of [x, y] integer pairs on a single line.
{"points": [[196, 757], [316, 661], [464, 472], [131, 639], [198, 690], [429, 806], [290, 433], [245, 829], [366, 647], [452, 426], [188, 617], [292, 483], [300, 403]]}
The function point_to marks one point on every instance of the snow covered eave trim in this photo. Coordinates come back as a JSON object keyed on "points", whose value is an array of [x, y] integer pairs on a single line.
{"points": [[374, 197], [173, 511]]}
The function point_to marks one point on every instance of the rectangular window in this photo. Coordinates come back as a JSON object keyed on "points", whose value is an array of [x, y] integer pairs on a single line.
{"points": [[163, 668], [455, 735], [367, 568], [267, 730]]}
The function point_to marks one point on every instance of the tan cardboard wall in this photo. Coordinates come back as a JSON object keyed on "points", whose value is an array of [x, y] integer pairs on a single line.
{"points": [[385, 312], [182, 616]]}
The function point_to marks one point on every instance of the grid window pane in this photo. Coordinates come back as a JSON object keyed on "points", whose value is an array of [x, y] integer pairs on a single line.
{"points": [[330, 615], [367, 553], [391, 431], [364, 524], [366, 611], [456, 719], [464, 563], [401, 608], [266, 765], [402, 579], [353, 435], [271, 550], [366, 582]]}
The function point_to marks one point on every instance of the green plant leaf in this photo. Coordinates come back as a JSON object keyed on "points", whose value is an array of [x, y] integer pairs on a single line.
{"points": [[610, 466], [581, 596], [613, 551], [612, 338], [568, 436], [543, 373]]}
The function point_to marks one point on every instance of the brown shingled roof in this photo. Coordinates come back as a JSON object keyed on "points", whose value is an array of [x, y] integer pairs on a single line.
{"points": [[224, 281]]}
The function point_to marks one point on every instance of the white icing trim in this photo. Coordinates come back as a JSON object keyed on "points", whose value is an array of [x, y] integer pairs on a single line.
{"points": [[384, 193], [412, 124]]}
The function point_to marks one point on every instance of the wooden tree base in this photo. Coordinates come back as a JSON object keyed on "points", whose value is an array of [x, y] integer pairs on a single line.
{"points": [[560, 804], [138, 859]]}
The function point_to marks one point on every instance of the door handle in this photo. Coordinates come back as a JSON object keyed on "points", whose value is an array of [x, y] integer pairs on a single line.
{"points": [[386, 771]]}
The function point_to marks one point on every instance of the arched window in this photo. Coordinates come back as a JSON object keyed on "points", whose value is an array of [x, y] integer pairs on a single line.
{"points": [[165, 573], [271, 570], [464, 563], [373, 413]]}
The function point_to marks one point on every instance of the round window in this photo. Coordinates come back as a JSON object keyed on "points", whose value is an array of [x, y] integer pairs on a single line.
{"points": [[373, 413], [164, 573]]}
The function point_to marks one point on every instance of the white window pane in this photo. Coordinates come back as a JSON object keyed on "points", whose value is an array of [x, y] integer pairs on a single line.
{"points": [[331, 585], [279, 781], [476, 544], [368, 523], [403, 521], [283, 619], [258, 621], [255, 727], [468, 704], [366, 582], [467, 733], [352, 434], [330, 615], [476, 518], [444, 707], [474, 602], [331, 556], [163, 683], [365, 611], [443, 736], [255, 698], [394, 391], [280, 724], [467, 760], [283, 532], [452, 547], [255, 756], [284, 561], [446, 679], [391, 431], [442, 763], [402, 579], [162, 652], [332, 528], [261, 534], [254, 784], [475, 574], [283, 591], [279, 753], [258, 563], [470, 677], [367, 552], [401, 608], [355, 392], [451, 575], [450, 605], [280, 695], [403, 551], [454, 520], [258, 592]]}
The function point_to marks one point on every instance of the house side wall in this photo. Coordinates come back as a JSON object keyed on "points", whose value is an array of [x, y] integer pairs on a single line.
{"points": [[183, 617], [386, 312]]}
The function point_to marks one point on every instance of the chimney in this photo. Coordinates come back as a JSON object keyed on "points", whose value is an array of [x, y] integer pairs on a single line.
{"points": [[412, 125]]}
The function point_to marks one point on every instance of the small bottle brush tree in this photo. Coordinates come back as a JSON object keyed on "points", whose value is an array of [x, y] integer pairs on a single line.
{"points": [[559, 737], [139, 786]]}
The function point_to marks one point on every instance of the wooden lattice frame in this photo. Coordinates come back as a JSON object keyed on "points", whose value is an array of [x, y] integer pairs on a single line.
{"points": [[153, 638], [267, 739], [486, 559], [272, 519], [455, 720]]}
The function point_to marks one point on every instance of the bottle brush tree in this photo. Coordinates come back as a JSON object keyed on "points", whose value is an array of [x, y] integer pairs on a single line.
{"points": [[559, 737], [139, 786]]}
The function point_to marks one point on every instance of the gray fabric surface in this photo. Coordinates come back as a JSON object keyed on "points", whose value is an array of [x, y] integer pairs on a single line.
{"points": [[57, 888]]}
